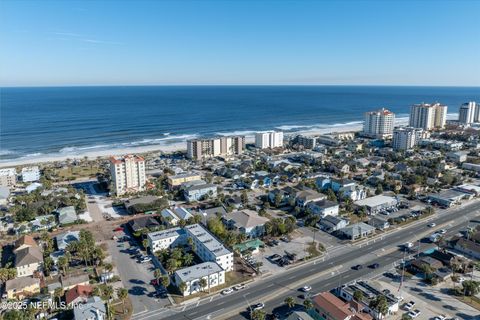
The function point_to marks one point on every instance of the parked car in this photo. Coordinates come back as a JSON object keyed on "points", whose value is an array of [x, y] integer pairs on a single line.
{"points": [[414, 313], [440, 317], [118, 229], [275, 257], [409, 305]]}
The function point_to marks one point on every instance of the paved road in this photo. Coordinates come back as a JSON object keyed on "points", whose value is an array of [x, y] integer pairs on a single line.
{"points": [[321, 275]]}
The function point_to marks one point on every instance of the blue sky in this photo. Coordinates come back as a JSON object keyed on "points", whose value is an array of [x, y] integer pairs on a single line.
{"points": [[239, 42]]}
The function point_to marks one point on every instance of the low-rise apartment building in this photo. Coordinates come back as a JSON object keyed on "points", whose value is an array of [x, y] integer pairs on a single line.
{"points": [[177, 180], [8, 177], [30, 174], [191, 276], [165, 239]]}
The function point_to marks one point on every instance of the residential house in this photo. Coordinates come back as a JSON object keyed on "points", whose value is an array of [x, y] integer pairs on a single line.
{"points": [[142, 204], [70, 282], [199, 192], [67, 215], [28, 261], [63, 239], [332, 223], [21, 287], [302, 198], [143, 223], [379, 223], [44, 222], [323, 208], [78, 294], [93, 309], [169, 217], [467, 247], [23, 242], [247, 222]]}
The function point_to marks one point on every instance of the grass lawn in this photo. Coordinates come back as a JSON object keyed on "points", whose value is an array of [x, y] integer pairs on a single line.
{"points": [[77, 172]]}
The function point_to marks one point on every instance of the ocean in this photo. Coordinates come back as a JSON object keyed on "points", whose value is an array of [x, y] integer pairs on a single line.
{"points": [[52, 121]]}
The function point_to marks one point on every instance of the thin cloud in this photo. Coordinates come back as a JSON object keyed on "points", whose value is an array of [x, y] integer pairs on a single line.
{"points": [[83, 38]]}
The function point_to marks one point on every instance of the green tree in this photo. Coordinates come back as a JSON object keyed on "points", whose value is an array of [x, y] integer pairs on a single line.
{"points": [[63, 263], [289, 301], [165, 281], [380, 304], [471, 287], [157, 274], [258, 315], [203, 283], [182, 286], [188, 259], [358, 295], [308, 304], [58, 294], [145, 244]]}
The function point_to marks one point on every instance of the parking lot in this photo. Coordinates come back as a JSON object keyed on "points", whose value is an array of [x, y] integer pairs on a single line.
{"points": [[136, 276], [432, 301], [272, 255]]}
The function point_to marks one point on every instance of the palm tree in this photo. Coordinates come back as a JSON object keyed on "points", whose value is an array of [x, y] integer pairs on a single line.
{"points": [[308, 304], [165, 281], [289, 301], [145, 244], [157, 274], [203, 283], [58, 294], [63, 263], [182, 286], [188, 259]]}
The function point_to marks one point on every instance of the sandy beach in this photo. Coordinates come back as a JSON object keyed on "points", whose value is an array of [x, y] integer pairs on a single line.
{"points": [[180, 146]]}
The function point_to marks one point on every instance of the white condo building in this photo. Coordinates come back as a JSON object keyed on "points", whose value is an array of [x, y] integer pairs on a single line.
{"points": [[428, 116], [379, 124], [269, 139], [128, 174], [405, 138], [215, 147], [8, 177], [469, 112], [30, 174]]}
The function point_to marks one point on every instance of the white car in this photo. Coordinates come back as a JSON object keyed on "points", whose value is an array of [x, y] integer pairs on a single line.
{"points": [[306, 288], [258, 306], [431, 225], [409, 306], [442, 231], [408, 245], [414, 313], [440, 317], [227, 291]]}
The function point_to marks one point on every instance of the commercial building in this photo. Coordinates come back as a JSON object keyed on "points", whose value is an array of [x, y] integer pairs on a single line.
{"points": [[269, 139], [469, 113], [8, 177], [377, 203], [428, 116], [379, 124], [191, 277], [199, 149], [165, 239], [208, 248], [405, 138], [305, 142], [30, 174], [128, 174], [471, 166], [447, 198], [328, 307]]}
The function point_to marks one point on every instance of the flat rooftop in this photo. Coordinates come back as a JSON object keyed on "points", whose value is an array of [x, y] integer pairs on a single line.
{"points": [[375, 201], [208, 240], [198, 271], [165, 234]]}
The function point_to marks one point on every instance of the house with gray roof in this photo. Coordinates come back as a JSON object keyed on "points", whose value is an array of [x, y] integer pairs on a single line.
{"points": [[93, 309], [28, 261], [247, 222], [357, 231], [67, 215], [63, 239]]}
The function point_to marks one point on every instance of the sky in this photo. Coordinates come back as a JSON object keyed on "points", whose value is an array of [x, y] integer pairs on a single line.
{"points": [[63, 43]]}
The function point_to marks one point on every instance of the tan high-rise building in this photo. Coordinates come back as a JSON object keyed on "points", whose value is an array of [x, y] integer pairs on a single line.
{"points": [[215, 147], [128, 174], [379, 124], [428, 116]]}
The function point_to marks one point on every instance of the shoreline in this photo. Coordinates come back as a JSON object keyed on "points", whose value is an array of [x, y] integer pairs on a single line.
{"points": [[316, 130], [174, 147]]}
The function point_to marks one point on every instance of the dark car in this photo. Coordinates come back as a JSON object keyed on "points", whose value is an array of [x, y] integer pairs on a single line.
{"points": [[275, 257], [375, 266], [357, 267]]}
